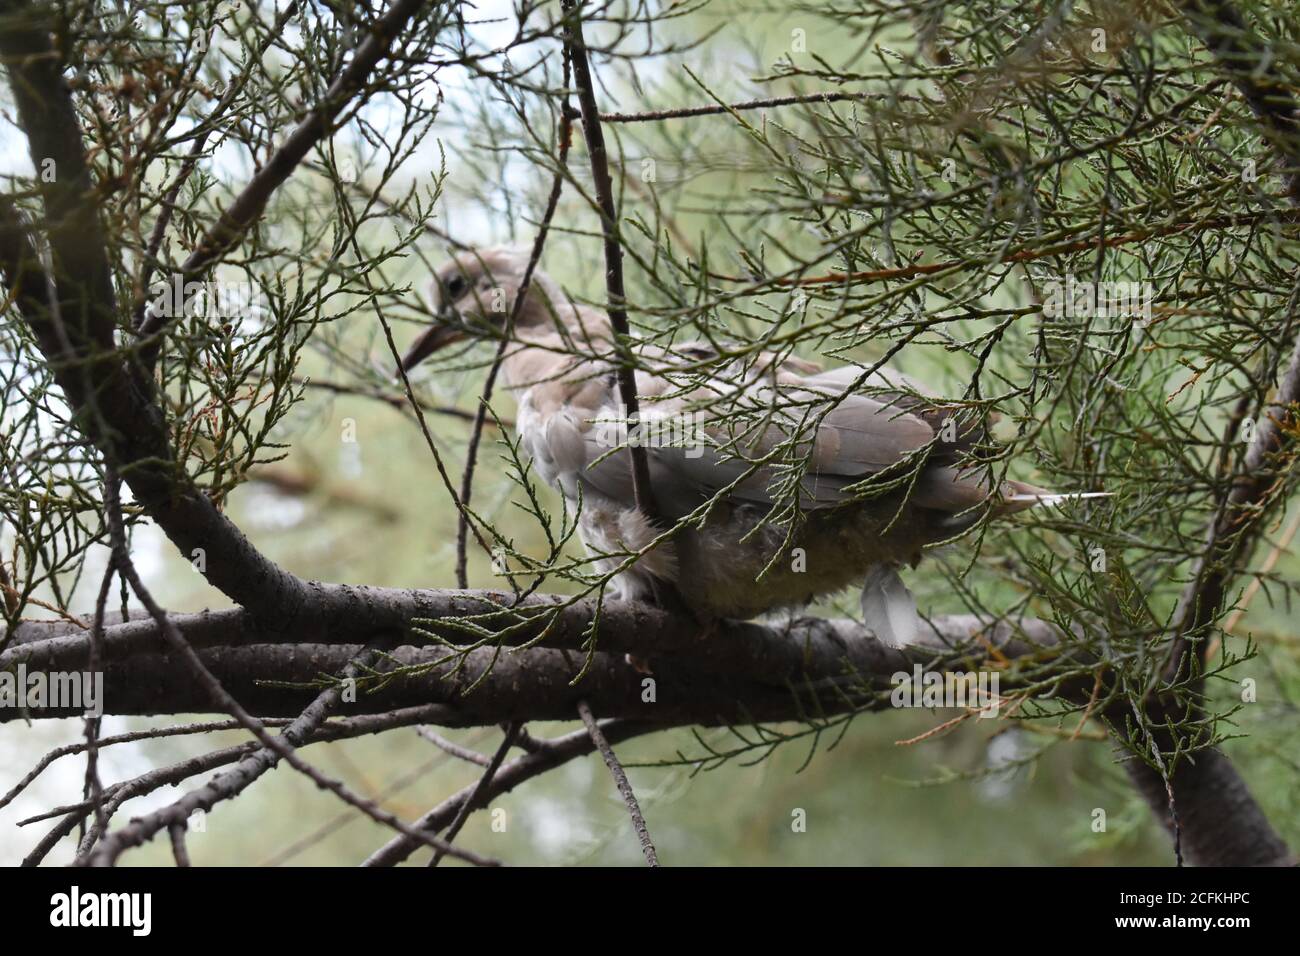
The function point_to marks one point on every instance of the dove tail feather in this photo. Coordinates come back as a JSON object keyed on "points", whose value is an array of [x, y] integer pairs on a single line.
{"points": [[1019, 495], [888, 608]]}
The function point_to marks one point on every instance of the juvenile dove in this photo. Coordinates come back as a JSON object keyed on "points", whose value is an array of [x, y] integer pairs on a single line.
{"points": [[744, 559]]}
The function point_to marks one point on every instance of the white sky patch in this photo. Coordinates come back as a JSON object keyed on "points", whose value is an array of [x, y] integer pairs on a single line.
{"points": [[22, 745], [1004, 751], [268, 510], [555, 831]]}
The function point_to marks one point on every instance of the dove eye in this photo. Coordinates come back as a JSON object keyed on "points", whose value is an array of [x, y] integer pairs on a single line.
{"points": [[455, 288]]}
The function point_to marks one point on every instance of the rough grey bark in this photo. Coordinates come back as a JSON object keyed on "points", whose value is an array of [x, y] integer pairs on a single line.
{"points": [[738, 674], [773, 654], [1220, 824]]}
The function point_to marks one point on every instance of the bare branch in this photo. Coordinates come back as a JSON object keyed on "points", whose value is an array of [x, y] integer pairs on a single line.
{"points": [[507, 741], [621, 781]]}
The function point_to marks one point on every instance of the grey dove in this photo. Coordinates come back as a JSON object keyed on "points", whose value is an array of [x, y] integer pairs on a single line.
{"points": [[740, 562]]}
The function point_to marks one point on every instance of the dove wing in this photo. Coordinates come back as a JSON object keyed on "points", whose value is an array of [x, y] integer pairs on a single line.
{"points": [[857, 436]]}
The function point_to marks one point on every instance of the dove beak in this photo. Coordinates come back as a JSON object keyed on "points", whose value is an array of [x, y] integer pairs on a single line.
{"points": [[431, 340]]}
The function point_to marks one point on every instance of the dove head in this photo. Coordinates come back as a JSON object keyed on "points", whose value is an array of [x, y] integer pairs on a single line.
{"points": [[474, 294]]}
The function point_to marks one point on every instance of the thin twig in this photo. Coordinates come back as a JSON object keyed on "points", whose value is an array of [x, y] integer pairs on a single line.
{"points": [[548, 755], [1281, 547], [565, 135], [174, 774], [94, 786], [684, 112], [177, 833], [512, 729], [317, 835], [1028, 254], [399, 402], [453, 748], [1166, 776], [617, 308], [621, 781]]}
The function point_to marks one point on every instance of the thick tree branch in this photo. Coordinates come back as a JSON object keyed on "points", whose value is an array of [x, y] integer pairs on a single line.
{"points": [[1220, 824], [775, 654], [740, 674]]}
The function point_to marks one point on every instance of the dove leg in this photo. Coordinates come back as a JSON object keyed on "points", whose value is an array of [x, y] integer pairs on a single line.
{"points": [[664, 594]]}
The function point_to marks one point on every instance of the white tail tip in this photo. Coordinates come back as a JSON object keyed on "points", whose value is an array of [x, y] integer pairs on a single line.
{"points": [[1056, 499]]}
